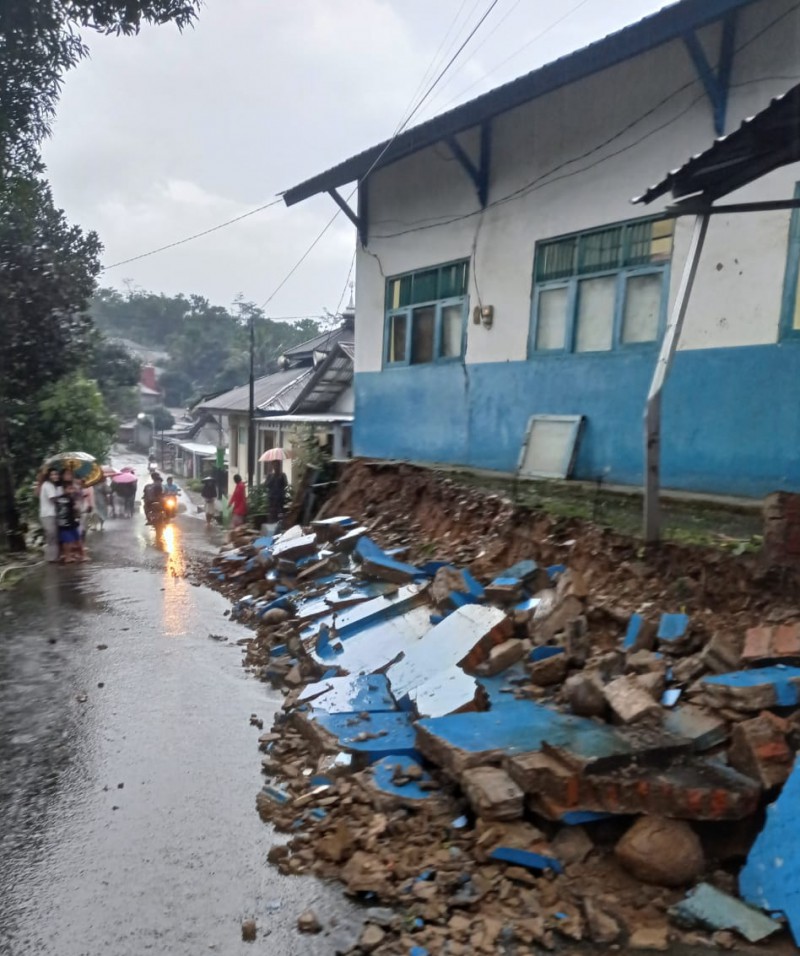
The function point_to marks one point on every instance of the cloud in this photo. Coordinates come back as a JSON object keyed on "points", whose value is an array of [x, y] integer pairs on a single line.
{"points": [[166, 134]]}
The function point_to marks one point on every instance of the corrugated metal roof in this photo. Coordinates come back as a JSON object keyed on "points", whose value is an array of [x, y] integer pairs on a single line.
{"points": [[330, 379], [652, 31], [322, 342], [763, 142], [283, 400], [238, 399]]}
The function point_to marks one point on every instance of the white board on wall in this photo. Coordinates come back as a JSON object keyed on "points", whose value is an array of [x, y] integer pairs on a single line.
{"points": [[550, 445]]}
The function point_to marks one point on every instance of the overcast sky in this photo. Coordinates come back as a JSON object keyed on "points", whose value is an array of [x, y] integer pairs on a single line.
{"points": [[165, 134]]}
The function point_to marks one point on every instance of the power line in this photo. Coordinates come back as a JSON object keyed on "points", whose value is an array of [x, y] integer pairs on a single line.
{"points": [[197, 235], [401, 126], [512, 56]]}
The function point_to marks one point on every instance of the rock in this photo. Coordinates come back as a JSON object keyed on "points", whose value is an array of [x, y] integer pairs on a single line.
{"points": [[552, 670], [371, 937], [602, 926], [446, 581], [276, 615], [571, 845], [307, 922], [660, 851], [492, 794], [759, 749], [654, 683], [248, 930], [501, 657], [584, 694], [723, 652], [645, 662], [577, 643], [629, 700], [649, 937], [337, 845]]}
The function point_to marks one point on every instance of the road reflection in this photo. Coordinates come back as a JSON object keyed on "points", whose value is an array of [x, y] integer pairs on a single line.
{"points": [[176, 586]]}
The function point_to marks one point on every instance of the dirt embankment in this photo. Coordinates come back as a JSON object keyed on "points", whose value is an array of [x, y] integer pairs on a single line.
{"points": [[442, 519]]}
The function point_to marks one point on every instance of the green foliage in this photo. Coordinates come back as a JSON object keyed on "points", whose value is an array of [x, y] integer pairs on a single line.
{"points": [[308, 453], [208, 345], [162, 418], [71, 415], [40, 41], [116, 373]]}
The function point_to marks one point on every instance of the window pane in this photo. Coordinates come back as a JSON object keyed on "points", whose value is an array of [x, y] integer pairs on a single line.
{"points": [[453, 281], [426, 286], [601, 250], [551, 319], [595, 326], [423, 324], [556, 260], [642, 308], [452, 330], [397, 338], [398, 292]]}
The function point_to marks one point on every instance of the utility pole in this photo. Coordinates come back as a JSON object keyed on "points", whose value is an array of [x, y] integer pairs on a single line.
{"points": [[251, 423]]}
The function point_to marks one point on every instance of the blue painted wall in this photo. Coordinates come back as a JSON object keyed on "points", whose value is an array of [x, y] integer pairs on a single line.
{"points": [[731, 416]]}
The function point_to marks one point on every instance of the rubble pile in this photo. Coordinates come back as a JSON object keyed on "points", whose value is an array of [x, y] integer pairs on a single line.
{"points": [[523, 754]]}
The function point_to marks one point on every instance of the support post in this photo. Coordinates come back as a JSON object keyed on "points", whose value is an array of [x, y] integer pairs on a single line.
{"points": [[716, 82], [478, 174], [652, 417], [251, 424]]}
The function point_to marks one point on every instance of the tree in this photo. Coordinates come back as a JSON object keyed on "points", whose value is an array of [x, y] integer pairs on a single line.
{"points": [[116, 373], [71, 416], [40, 41], [47, 272], [162, 418]]}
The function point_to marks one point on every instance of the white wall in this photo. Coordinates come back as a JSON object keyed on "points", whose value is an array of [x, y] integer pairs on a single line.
{"points": [[572, 160]]}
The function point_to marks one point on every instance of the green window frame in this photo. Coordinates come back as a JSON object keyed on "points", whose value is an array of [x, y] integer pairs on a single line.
{"points": [[602, 290], [790, 305], [426, 315]]}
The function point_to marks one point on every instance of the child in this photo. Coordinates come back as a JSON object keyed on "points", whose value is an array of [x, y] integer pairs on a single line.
{"points": [[68, 518]]}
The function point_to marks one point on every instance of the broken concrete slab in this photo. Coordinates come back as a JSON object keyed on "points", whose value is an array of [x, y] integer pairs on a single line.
{"points": [[778, 644], [723, 652], [707, 907], [704, 729], [382, 735], [755, 690], [347, 542], [328, 529], [349, 695], [759, 748], [492, 794], [504, 590], [399, 780], [460, 741], [500, 658], [448, 691], [465, 637], [375, 563], [292, 548], [629, 700], [770, 878], [640, 635]]}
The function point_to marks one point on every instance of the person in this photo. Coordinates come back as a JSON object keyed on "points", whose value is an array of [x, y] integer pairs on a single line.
{"points": [[69, 535], [276, 492], [48, 493], [238, 503], [170, 488], [153, 492], [210, 494]]}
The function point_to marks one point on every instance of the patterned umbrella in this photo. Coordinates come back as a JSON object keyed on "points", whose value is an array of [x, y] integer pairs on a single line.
{"points": [[81, 464]]}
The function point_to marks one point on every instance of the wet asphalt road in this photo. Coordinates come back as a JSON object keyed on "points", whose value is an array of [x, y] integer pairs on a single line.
{"points": [[127, 821]]}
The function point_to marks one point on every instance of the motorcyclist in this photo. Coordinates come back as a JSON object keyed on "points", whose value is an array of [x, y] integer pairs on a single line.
{"points": [[152, 495], [170, 488]]}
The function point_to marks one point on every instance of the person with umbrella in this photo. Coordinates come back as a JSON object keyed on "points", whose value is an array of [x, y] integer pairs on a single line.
{"points": [[123, 486], [277, 484]]}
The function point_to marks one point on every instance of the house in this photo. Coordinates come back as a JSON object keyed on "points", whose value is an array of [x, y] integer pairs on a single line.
{"points": [[311, 388], [504, 274], [150, 394]]}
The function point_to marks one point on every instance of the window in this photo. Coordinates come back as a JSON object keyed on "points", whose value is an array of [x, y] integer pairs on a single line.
{"points": [[426, 315], [603, 289], [791, 285]]}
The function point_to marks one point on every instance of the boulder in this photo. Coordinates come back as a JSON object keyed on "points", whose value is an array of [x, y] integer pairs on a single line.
{"points": [[661, 851], [584, 694]]}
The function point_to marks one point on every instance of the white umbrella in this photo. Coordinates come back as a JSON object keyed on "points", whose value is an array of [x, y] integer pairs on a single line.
{"points": [[276, 454]]}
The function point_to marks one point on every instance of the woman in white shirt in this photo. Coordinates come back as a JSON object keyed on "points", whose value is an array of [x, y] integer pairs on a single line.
{"points": [[48, 492]]}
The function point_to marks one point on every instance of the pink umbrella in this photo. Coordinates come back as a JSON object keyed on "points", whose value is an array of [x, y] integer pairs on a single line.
{"points": [[109, 472], [125, 478], [276, 454]]}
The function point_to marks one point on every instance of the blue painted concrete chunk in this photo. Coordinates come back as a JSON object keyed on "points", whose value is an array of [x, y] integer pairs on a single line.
{"points": [[671, 696], [555, 569], [275, 793], [633, 631], [506, 582], [712, 909], [771, 876], [531, 861], [367, 693], [524, 570], [576, 818], [672, 627], [546, 650], [475, 587], [393, 733], [383, 772], [785, 682]]}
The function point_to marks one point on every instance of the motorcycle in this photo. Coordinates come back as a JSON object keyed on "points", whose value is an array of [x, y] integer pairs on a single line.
{"points": [[162, 511]]}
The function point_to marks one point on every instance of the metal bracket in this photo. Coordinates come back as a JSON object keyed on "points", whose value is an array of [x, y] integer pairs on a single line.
{"points": [[478, 174], [716, 82], [358, 220]]}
